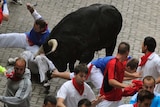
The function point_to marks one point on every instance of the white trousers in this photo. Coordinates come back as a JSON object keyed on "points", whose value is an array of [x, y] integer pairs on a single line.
{"points": [[43, 63], [106, 103], [16, 40], [5, 9], [96, 76]]}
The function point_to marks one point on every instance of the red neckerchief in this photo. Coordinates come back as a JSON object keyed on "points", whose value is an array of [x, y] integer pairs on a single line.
{"points": [[135, 105], [144, 58], [79, 88], [12, 76], [89, 71], [30, 42]]}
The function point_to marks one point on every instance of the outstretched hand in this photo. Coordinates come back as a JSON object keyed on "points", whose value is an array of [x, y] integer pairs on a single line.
{"points": [[98, 100], [55, 74], [30, 7], [137, 74]]}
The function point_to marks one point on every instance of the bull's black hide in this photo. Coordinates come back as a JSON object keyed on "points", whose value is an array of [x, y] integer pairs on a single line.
{"points": [[83, 32]]}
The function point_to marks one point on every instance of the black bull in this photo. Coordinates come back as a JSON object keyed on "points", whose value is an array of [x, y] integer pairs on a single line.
{"points": [[81, 33]]}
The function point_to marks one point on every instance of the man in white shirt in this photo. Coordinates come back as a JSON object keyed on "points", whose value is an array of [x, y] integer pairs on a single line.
{"points": [[72, 91], [150, 62]]}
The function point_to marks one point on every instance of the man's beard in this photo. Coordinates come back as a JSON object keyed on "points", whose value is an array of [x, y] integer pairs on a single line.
{"points": [[18, 76]]}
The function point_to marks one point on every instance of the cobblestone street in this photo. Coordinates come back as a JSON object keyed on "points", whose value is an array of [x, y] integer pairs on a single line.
{"points": [[140, 18]]}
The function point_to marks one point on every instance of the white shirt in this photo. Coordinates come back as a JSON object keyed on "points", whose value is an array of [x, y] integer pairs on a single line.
{"points": [[71, 95], [152, 68]]}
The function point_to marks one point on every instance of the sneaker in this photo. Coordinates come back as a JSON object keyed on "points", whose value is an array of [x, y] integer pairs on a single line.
{"points": [[17, 2], [47, 87], [11, 61], [46, 83]]}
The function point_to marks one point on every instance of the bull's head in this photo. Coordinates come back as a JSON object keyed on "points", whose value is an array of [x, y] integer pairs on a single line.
{"points": [[58, 58], [53, 43]]}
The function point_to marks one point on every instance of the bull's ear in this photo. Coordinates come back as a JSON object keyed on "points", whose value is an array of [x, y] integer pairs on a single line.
{"points": [[53, 43]]}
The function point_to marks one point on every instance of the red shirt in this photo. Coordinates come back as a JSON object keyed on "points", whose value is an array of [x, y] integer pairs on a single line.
{"points": [[115, 70], [1, 15]]}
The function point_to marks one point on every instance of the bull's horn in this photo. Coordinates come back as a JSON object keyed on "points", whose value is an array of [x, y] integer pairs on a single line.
{"points": [[53, 43], [40, 51]]}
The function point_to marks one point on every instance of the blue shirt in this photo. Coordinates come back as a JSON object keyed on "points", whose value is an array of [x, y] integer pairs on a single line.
{"points": [[37, 38], [101, 62], [155, 101]]}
